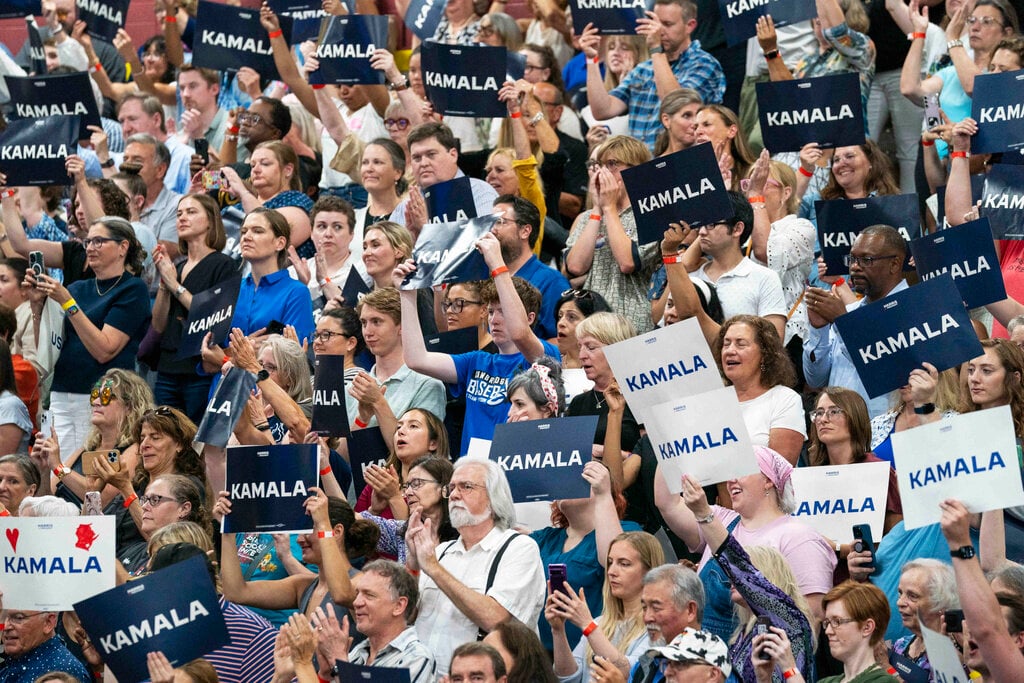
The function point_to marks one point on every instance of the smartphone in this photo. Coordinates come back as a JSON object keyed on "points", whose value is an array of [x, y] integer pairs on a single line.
{"points": [[89, 458], [954, 620], [92, 506], [557, 576], [202, 147], [212, 180], [35, 262], [275, 327], [761, 628], [46, 423], [932, 115], [862, 541]]}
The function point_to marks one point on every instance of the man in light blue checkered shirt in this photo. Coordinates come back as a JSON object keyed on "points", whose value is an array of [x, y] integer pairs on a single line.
{"points": [[676, 61]]}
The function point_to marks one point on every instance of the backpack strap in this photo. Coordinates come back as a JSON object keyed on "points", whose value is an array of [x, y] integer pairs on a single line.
{"points": [[493, 572]]}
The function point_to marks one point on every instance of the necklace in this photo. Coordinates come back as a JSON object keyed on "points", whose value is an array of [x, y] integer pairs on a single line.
{"points": [[97, 283], [599, 401]]}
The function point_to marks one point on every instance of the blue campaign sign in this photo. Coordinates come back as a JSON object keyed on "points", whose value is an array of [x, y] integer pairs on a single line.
{"points": [[1002, 201], [211, 311], [355, 288], [10, 9], [998, 106], [365, 447], [371, 674], [33, 151], [451, 200], [453, 342], [968, 254], [330, 416], [227, 405], [174, 610], [516, 66], [544, 459], [683, 186], [826, 110], [446, 253], [103, 17], [346, 48], [890, 337], [305, 29], [228, 38], [423, 17], [841, 220], [739, 17], [610, 17], [463, 80], [36, 53], [40, 97], [268, 486]]}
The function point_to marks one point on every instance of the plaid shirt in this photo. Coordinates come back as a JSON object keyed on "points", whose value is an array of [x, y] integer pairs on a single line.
{"points": [[404, 652], [695, 69]]}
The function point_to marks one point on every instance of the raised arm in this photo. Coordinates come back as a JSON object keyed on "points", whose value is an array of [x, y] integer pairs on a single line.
{"points": [[285, 62], [682, 289], [517, 322], [768, 39], [602, 104], [437, 365], [678, 517], [911, 84], [651, 28], [606, 520], [959, 200]]}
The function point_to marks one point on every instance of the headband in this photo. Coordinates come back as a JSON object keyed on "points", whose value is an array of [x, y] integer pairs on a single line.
{"points": [[547, 385]]}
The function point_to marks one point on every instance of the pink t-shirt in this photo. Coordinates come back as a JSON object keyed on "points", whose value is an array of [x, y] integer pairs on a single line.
{"points": [[809, 555]]}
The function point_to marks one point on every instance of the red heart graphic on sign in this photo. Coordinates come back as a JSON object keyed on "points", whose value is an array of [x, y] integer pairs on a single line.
{"points": [[12, 538]]}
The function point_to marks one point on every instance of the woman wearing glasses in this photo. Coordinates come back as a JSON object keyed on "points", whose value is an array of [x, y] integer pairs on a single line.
{"points": [[106, 319], [169, 498], [425, 491], [200, 240]]}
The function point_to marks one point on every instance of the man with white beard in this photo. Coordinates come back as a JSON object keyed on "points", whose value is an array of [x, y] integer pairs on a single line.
{"points": [[490, 573], [673, 601]]}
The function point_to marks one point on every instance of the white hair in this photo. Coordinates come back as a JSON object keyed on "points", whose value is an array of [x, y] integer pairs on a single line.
{"points": [[498, 492], [46, 506]]}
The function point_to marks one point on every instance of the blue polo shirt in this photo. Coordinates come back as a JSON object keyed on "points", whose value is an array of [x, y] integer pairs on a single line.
{"points": [[551, 284], [278, 297]]}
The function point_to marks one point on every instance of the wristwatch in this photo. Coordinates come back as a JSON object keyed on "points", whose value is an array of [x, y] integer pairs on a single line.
{"points": [[71, 310], [179, 290], [262, 375], [964, 552], [109, 163], [398, 87], [954, 43], [656, 50]]}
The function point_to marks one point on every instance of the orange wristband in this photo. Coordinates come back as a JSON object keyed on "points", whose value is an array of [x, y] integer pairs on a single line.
{"points": [[516, 115], [275, 34], [805, 173], [498, 271], [359, 423], [958, 155], [170, 19], [756, 199], [325, 471], [927, 143], [591, 627], [789, 673], [130, 499], [233, 130], [918, 35], [595, 217]]}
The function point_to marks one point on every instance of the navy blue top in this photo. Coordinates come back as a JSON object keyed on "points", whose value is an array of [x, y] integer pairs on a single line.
{"points": [[125, 306], [51, 655], [278, 297]]}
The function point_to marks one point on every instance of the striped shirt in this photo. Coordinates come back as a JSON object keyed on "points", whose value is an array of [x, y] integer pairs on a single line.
{"points": [[404, 652], [249, 658]]}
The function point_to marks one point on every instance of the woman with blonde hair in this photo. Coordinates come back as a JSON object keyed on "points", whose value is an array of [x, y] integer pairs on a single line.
{"points": [[925, 387], [619, 54], [719, 125], [678, 110]]}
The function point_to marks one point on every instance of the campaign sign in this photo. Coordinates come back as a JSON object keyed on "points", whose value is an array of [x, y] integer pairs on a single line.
{"points": [[890, 337], [610, 17], [463, 80], [50, 563], [453, 342], [330, 416], [424, 16], [659, 366], [841, 220], [971, 457], [268, 485], [968, 254], [739, 17], [306, 29], [228, 38], [832, 498], [33, 151], [516, 66], [371, 674], [40, 97], [446, 253], [211, 311], [544, 459], [942, 656], [346, 48], [174, 610], [227, 405], [355, 288], [686, 185], [36, 53], [825, 109], [703, 435], [10, 9], [450, 200], [1002, 201], [103, 17], [365, 447], [998, 106]]}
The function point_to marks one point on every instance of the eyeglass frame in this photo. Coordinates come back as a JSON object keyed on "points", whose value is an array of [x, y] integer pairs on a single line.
{"points": [[147, 499], [832, 413], [251, 116], [10, 616], [458, 304], [463, 487], [317, 336], [836, 622], [99, 241], [397, 123], [416, 484], [984, 21], [865, 261]]}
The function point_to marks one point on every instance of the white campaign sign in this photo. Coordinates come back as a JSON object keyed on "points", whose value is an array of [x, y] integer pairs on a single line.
{"points": [[50, 563], [942, 656], [831, 499], [663, 365], [703, 435], [970, 457]]}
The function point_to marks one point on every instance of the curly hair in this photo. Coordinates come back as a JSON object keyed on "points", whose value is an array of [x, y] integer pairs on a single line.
{"points": [[776, 366], [1011, 357], [880, 180], [137, 398]]}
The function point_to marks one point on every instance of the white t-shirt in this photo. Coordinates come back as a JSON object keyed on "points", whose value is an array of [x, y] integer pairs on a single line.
{"points": [[778, 408], [748, 289]]}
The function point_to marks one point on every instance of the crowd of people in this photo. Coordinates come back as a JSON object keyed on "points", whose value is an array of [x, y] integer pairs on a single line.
{"points": [[313, 197]]}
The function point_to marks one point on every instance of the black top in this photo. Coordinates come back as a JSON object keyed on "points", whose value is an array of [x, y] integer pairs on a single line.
{"points": [[74, 262], [587, 404], [891, 43]]}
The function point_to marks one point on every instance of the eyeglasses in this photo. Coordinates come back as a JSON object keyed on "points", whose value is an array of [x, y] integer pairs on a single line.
{"points": [[501, 220], [104, 393], [578, 293], [456, 305], [153, 500], [835, 622], [486, 31], [162, 411], [248, 118], [610, 164], [392, 124], [326, 336], [269, 367], [865, 261], [98, 241], [831, 413], [711, 226], [533, 67], [462, 487], [984, 21], [19, 618], [416, 484], [770, 182]]}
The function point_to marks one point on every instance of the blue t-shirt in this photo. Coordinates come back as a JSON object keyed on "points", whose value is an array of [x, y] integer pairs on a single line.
{"points": [[124, 305], [551, 284], [483, 378], [278, 297]]}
